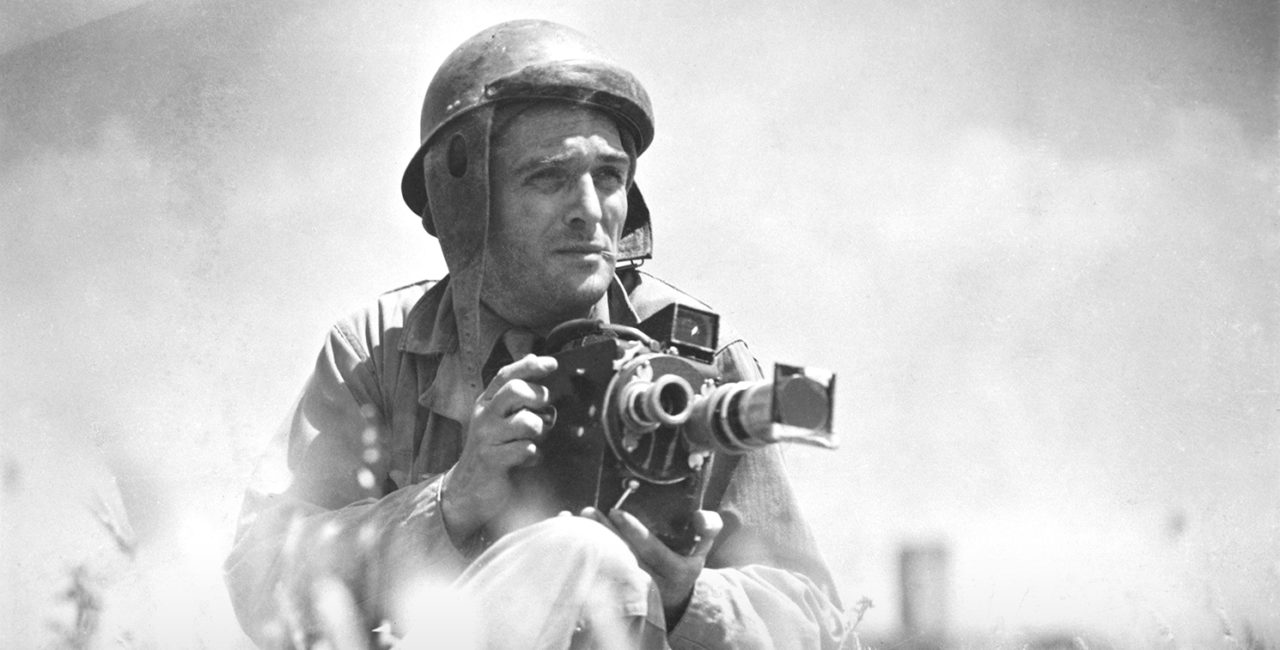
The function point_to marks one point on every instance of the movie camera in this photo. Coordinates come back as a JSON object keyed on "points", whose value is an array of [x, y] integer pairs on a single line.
{"points": [[641, 414]]}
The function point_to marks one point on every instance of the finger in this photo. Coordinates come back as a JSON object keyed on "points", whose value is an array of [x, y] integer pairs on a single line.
{"points": [[528, 368], [707, 526], [518, 394], [548, 416], [599, 517], [523, 425], [647, 547]]}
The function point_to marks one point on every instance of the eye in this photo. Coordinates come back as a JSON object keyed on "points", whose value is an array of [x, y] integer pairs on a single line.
{"points": [[610, 177], [547, 179]]}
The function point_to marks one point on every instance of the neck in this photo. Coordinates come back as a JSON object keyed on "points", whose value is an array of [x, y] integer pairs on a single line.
{"points": [[540, 320]]}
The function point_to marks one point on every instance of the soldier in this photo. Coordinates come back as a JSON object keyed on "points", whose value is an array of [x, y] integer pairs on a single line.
{"points": [[378, 489]]}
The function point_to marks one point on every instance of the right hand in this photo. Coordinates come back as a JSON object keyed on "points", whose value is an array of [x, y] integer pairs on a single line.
{"points": [[504, 433]]}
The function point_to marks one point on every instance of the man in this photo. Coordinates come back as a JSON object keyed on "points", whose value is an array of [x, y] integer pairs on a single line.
{"points": [[381, 489]]}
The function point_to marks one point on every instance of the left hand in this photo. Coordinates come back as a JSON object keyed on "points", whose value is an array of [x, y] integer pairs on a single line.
{"points": [[673, 573]]}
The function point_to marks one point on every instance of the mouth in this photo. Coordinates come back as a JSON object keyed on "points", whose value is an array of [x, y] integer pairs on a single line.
{"points": [[585, 249]]}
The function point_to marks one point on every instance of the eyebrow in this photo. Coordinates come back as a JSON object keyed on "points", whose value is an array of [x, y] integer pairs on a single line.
{"points": [[611, 157]]}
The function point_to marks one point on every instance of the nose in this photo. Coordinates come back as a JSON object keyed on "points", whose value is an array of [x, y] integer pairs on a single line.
{"points": [[586, 209]]}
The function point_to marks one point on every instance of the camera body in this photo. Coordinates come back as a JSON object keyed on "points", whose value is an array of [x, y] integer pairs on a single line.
{"points": [[640, 416]]}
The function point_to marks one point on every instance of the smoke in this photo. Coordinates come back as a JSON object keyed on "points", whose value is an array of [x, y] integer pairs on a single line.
{"points": [[1083, 331], [1037, 243]]}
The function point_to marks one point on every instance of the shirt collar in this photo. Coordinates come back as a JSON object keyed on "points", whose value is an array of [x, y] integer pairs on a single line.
{"points": [[432, 329], [621, 311]]}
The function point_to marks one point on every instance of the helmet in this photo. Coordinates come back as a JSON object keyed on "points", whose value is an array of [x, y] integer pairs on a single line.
{"points": [[525, 60], [447, 180]]}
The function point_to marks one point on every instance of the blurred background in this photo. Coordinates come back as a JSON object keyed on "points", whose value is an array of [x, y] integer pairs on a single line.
{"points": [[1037, 240]]}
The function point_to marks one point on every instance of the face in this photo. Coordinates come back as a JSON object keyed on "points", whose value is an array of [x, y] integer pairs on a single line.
{"points": [[558, 178]]}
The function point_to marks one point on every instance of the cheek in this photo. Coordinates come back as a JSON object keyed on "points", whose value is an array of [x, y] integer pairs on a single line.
{"points": [[513, 219], [616, 213]]}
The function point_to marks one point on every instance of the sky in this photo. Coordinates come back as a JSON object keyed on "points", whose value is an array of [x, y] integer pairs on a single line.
{"points": [[1037, 241]]}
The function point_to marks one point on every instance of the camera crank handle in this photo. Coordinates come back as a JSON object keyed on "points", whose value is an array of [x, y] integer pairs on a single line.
{"points": [[632, 485]]}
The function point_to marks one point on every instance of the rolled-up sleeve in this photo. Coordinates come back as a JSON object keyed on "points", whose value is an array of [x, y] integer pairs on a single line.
{"points": [[325, 537]]}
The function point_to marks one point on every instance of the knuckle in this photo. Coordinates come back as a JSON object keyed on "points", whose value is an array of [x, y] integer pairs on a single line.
{"points": [[522, 389], [501, 377], [528, 420]]}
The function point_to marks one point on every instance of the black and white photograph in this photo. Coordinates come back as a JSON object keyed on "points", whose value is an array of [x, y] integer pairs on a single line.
{"points": [[834, 324]]}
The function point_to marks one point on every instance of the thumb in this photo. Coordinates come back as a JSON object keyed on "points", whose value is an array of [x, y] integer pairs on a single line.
{"points": [[706, 525]]}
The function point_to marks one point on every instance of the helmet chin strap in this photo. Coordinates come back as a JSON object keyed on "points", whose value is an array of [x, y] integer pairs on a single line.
{"points": [[532, 61], [447, 181], [459, 209]]}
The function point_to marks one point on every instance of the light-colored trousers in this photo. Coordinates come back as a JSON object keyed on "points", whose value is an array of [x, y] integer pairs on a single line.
{"points": [[566, 582]]}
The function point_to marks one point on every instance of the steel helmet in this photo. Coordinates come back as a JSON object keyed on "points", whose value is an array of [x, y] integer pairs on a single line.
{"points": [[524, 60], [447, 180]]}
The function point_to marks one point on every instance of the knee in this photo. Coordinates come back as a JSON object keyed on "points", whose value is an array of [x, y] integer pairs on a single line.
{"points": [[574, 535], [547, 579], [578, 541]]}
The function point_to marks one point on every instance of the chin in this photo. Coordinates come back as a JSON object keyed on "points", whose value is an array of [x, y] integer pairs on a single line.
{"points": [[587, 295], [581, 296]]}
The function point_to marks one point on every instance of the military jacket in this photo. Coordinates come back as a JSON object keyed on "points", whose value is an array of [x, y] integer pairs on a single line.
{"points": [[347, 493]]}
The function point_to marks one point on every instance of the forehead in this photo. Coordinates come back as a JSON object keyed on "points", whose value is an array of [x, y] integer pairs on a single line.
{"points": [[550, 126]]}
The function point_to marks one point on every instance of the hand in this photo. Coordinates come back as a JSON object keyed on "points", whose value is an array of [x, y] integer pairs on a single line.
{"points": [[674, 574], [503, 433]]}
